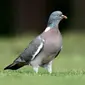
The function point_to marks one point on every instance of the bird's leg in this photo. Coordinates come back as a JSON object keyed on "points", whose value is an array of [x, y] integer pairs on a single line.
{"points": [[36, 69], [49, 67]]}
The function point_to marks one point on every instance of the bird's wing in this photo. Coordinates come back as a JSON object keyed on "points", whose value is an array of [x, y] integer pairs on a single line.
{"points": [[57, 53], [32, 50]]}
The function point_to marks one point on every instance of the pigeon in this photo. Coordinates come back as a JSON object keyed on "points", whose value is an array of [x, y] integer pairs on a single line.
{"points": [[42, 50]]}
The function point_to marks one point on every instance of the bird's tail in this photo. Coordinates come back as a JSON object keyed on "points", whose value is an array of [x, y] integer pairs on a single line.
{"points": [[18, 63], [15, 66]]}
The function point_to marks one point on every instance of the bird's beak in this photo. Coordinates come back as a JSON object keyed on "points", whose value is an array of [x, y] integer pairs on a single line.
{"points": [[65, 17]]}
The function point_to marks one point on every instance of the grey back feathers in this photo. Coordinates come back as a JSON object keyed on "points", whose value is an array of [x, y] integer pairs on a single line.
{"points": [[28, 54], [31, 51]]}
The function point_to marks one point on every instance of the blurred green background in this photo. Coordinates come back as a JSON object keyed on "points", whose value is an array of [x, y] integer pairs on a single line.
{"points": [[22, 20]]}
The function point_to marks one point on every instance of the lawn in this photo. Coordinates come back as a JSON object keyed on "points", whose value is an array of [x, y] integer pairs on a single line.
{"points": [[68, 67]]}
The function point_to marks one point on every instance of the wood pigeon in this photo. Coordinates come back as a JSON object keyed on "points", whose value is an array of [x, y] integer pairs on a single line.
{"points": [[44, 48]]}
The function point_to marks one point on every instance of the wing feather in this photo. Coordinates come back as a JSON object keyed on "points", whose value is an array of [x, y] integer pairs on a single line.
{"points": [[32, 50]]}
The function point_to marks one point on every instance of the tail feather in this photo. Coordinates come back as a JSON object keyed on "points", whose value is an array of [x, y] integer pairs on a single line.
{"points": [[15, 66]]}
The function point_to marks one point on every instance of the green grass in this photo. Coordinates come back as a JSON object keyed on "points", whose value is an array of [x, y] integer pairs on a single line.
{"points": [[68, 67], [30, 78]]}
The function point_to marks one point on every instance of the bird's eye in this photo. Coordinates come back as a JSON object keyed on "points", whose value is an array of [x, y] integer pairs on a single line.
{"points": [[60, 15]]}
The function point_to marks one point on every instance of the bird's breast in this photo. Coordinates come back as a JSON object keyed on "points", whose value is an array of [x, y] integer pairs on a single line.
{"points": [[53, 41]]}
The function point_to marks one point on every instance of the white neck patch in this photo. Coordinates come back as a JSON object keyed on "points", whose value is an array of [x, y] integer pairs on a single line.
{"points": [[47, 29]]}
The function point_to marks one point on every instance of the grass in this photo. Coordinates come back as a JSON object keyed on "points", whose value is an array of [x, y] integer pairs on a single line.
{"points": [[30, 78], [68, 67]]}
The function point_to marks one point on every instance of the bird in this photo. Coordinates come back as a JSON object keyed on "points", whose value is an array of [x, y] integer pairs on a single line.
{"points": [[42, 50]]}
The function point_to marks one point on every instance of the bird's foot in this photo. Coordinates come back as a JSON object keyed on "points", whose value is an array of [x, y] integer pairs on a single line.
{"points": [[36, 69], [48, 67]]}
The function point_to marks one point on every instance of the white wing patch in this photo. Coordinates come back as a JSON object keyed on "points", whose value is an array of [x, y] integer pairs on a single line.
{"points": [[47, 29], [39, 48]]}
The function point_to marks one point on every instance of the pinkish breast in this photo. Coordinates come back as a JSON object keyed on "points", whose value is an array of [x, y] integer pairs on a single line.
{"points": [[53, 40]]}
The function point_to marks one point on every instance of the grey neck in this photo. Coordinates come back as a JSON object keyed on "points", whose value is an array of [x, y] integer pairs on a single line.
{"points": [[53, 24]]}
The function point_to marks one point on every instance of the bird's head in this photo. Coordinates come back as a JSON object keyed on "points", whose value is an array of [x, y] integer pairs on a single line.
{"points": [[55, 18]]}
